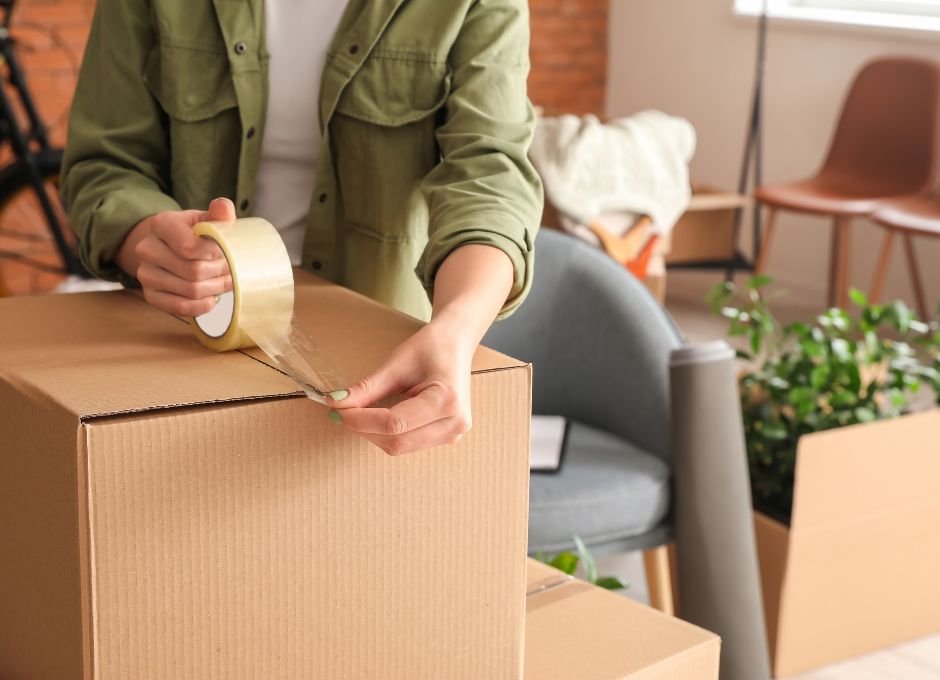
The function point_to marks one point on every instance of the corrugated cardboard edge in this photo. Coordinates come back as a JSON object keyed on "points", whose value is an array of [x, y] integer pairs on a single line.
{"points": [[547, 586], [702, 658], [773, 540], [86, 557]]}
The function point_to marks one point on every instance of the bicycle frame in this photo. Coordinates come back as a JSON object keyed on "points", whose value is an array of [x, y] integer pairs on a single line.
{"points": [[25, 142]]}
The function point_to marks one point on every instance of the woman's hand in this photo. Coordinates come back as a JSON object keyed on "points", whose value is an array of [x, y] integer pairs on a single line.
{"points": [[179, 272], [431, 370]]}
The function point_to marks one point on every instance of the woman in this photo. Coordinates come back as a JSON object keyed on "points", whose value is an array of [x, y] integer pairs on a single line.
{"points": [[386, 139]]}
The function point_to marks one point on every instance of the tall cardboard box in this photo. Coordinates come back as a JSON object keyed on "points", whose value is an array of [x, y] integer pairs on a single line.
{"points": [[171, 513], [857, 569], [576, 631]]}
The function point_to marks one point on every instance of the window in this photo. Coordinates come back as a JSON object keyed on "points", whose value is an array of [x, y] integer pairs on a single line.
{"points": [[917, 15], [917, 8]]}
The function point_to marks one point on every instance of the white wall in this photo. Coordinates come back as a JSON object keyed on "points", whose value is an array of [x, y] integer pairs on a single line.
{"points": [[694, 58]]}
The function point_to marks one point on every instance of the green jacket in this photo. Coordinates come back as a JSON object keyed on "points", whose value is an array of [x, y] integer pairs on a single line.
{"points": [[425, 120]]}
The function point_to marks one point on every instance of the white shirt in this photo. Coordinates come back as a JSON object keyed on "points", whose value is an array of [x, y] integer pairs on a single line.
{"points": [[298, 35]]}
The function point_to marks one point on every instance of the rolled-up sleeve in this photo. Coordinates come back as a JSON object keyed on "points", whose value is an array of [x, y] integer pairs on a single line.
{"points": [[485, 190], [116, 166]]}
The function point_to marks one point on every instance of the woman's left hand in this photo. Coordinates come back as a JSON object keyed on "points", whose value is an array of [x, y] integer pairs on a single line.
{"points": [[431, 370]]}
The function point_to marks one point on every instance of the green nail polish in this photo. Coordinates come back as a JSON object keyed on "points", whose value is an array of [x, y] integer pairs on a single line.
{"points": [[335, 417], [339, 395]]}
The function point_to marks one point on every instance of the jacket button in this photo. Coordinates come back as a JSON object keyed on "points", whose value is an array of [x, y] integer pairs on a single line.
{"points": [[323, 198], [317, 265], [244, 204], [354, 49], [250, 133], [240, 48]]}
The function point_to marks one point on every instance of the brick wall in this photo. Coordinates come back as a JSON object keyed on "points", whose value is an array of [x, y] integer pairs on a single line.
{"points": [[569, 55]]}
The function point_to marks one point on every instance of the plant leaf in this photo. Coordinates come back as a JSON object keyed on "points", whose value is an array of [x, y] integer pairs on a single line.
{"points": [[566, 562], [858, 297], [820, 375], [902, 316], [864, 414], [590, 566], [610, 583], [718, 295], [843, 398], [759, 281]]}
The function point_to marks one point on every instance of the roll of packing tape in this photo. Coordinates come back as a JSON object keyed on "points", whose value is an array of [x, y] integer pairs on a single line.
{"points": [[259, 310]]}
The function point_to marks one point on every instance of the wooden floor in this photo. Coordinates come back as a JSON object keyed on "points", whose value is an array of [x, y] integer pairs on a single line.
{"points": [[916, 660]]}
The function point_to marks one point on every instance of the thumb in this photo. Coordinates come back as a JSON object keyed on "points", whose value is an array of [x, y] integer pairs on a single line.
{"points": [[221, 210], [381, 384]]}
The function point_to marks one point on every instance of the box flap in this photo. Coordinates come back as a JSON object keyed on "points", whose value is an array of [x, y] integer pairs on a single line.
{"points": [[575, 630], [540, 576], [858, 461], [865, 509], [107, 353]]}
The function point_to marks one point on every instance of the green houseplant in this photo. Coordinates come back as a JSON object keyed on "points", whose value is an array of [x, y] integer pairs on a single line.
{"points": [[568, 563], [843, 368]]}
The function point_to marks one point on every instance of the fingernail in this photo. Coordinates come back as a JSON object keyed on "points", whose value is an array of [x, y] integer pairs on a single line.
{"points": [[335, 417], [339, 395], [218, 299]]}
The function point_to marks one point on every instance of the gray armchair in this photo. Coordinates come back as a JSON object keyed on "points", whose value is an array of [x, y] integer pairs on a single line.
{"points": [[600, 345]]}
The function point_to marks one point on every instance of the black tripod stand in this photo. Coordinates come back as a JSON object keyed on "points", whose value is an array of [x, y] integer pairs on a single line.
{"points": [[752, 167]]}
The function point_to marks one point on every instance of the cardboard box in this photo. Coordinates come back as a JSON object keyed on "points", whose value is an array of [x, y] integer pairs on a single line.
{"points": [[706, 231], [171, 513], [857, 569], [578, 631]]}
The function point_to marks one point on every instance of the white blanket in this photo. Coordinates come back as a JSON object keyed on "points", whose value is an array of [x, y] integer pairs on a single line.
{"points": [[637, 166]]}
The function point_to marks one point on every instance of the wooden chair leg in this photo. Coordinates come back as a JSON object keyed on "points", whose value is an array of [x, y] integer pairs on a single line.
{"points": [[834, 243], [839, 263], [881, 270], [674, 574], [845, 239], [761, 265], [656, 563], [919, 297]]}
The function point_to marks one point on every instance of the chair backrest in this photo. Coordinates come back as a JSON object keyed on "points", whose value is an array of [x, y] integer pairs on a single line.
{"points": [[886, 141], [599, 343]]}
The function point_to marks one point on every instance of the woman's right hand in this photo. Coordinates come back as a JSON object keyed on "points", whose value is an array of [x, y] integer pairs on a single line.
{"points": [[179, 272]]}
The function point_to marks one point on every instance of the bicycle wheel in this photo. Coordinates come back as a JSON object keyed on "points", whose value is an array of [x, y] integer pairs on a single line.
{"points": [[29, 260]]}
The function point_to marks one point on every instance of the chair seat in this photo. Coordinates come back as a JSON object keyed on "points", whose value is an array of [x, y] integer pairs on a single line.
{"points": [[822, 196], [920, 214], [606, 490]]}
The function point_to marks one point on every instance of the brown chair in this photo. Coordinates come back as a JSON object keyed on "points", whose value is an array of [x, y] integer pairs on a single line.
{"points": [[907, 217], [885, 146]]}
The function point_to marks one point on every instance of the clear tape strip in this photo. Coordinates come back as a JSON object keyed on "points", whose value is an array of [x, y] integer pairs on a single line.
{"points": [[260, 311]]}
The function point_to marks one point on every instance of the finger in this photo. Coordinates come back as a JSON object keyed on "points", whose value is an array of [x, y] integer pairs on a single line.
{"points": [[175, 304], [159, 279], [430, 405], [177, 233], [157, 252], [221, 210], [383, 383], [447, 431]]}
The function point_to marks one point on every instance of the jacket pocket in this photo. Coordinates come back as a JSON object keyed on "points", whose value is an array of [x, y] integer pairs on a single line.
{"points": [[190, 84], [195, 89], [383, 141], [394, 91]]}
